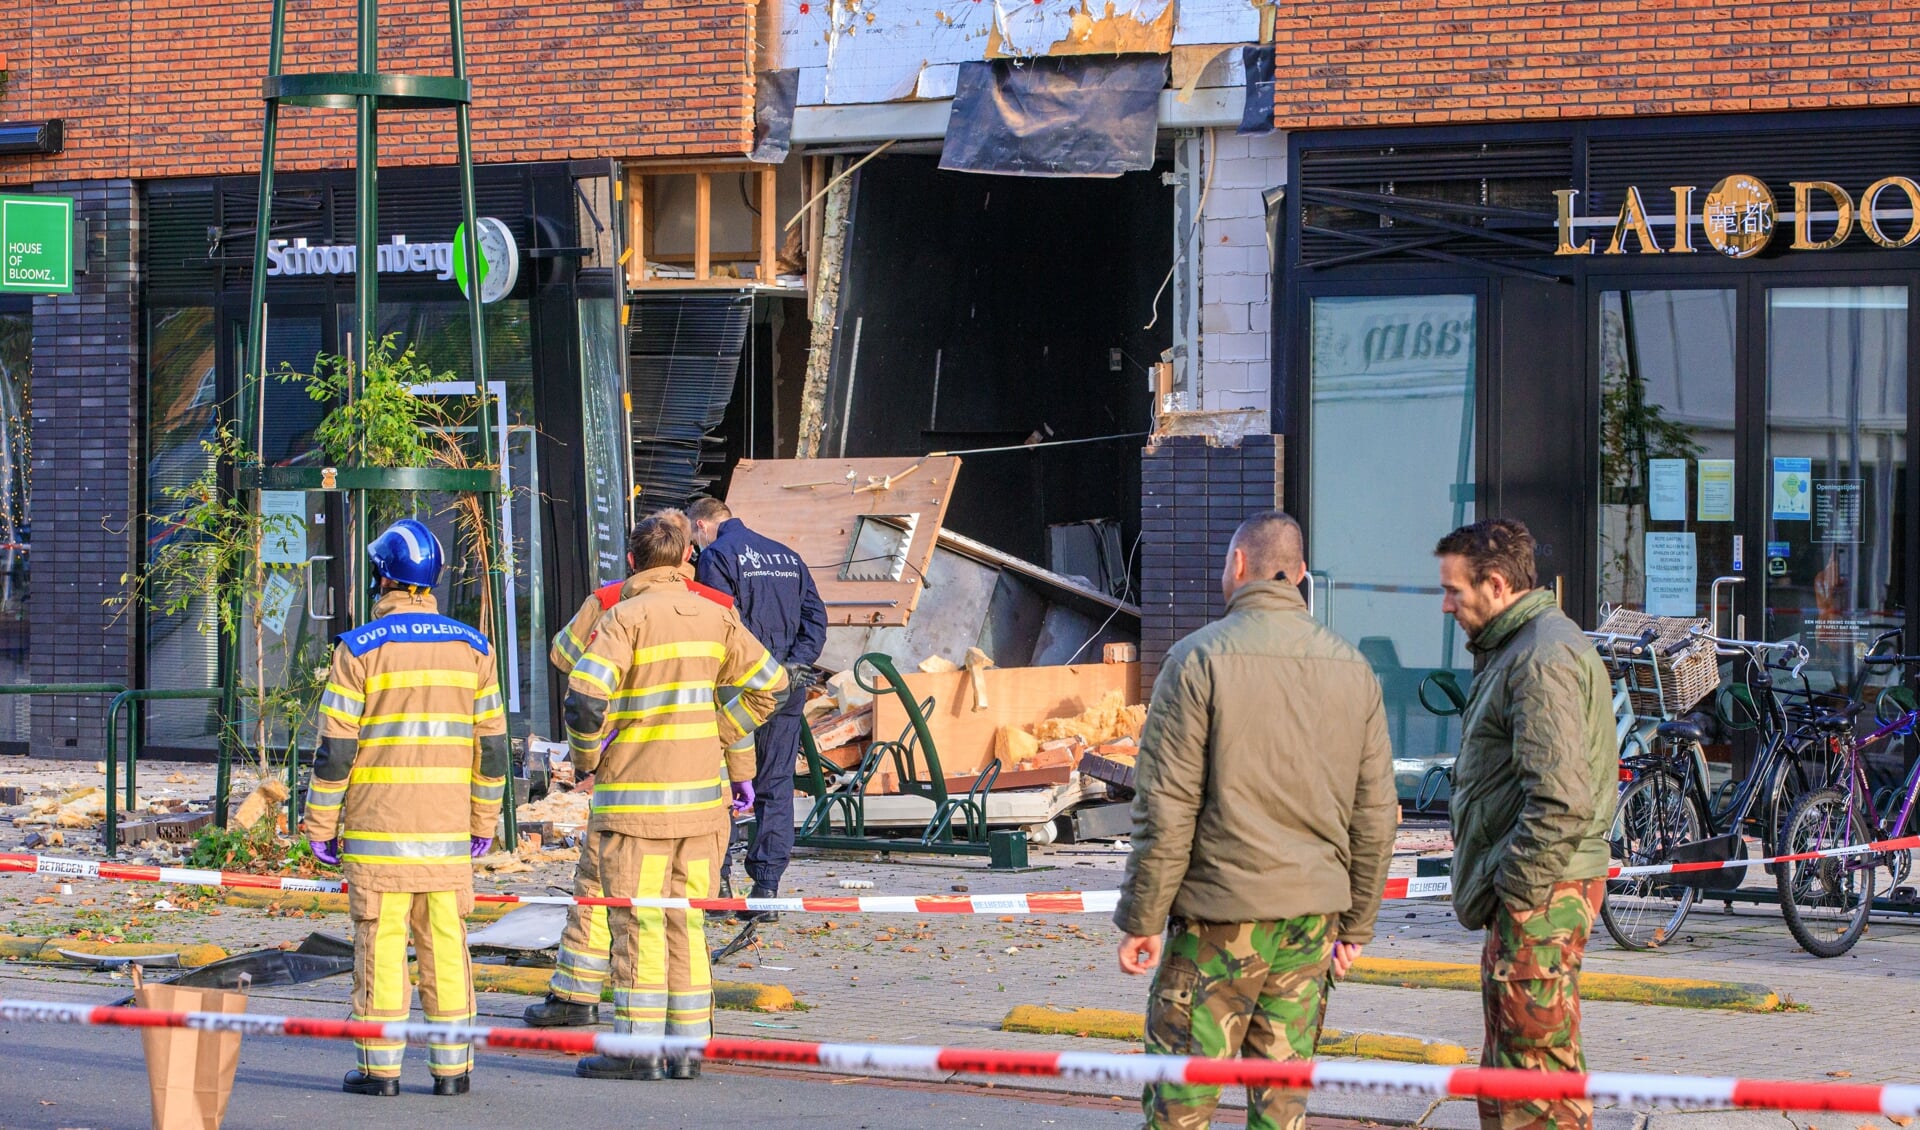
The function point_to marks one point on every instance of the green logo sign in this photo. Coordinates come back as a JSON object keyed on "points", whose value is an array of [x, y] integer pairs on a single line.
{"points": [[36, 244], [499, 258]]}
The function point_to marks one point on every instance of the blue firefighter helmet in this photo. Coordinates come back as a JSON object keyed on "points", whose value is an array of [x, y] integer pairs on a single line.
{"points": [[407, 553]]}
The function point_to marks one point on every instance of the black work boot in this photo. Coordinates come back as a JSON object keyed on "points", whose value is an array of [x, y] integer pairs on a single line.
{"points": [[762, 891], [453, 1084], [359, 1082], [618, 1067], [557, 1012], [683, 1067]]}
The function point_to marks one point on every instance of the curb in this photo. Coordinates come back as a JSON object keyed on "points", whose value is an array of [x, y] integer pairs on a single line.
{"points": [[1112, 1024], [325, 902], [734, 996], [1672, 992], [48, 949]]}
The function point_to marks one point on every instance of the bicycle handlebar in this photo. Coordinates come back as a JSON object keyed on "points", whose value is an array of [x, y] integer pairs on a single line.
{"points": [[1752, 649]]}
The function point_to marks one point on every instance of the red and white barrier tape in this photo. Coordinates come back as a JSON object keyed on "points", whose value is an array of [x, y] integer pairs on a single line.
{"points": [[1092, 1067], [1060, 902], [1046, 902]]}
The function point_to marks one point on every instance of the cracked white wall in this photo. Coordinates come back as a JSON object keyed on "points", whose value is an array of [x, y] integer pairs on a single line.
{"points": [[1235, 276]]}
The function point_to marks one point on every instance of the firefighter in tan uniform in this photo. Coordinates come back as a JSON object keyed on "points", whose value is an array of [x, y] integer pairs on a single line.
{"points": [[660, 806], [405, 794], [573, 992]]}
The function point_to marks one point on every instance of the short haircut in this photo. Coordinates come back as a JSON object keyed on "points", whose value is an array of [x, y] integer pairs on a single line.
{"points": [[1272, 542], [658, 540], [706, 508], [675, 515], [1496, 545]]}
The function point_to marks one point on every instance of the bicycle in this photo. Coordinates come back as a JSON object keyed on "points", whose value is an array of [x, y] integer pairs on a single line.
{"points": [[1665, 813], [1826, 900]]}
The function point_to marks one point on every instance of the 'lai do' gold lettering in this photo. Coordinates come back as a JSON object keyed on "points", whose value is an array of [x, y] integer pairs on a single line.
{"points": [[1567, 247], [1682, 219], [1633, 218], [1870, 222], [1803, 191]]}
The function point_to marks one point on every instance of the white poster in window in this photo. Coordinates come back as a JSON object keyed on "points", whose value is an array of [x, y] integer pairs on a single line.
{"points": [[285, 512], [1666, 490], [1836, 511], [276, 602], [1672, 575], [1715, 491]]}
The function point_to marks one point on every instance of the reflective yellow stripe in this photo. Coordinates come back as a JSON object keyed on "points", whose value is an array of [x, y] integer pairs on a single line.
{"points": [[384, 719], [394, 680], [390, 988], [595, 671], [345, 691], [763, 675], [410, 837], [349, 719], [367, 743], [413, 775], [670, 732], [689, 649]]}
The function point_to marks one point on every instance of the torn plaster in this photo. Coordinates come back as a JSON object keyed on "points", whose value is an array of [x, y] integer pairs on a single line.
{"points": [[1218, 21], [1081, 27], [877, 49]]}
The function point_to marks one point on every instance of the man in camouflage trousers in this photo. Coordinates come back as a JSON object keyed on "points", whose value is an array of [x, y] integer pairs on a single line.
{"points": [[1533, 796], [1263, 823]]}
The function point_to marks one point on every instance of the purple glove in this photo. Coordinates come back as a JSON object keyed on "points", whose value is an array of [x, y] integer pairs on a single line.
{"points": [[743, 796], [326, 851], [481, 845]]}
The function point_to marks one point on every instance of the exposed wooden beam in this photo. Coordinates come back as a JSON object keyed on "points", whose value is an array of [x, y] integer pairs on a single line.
{"points": [[702, 226], [769, 223]]}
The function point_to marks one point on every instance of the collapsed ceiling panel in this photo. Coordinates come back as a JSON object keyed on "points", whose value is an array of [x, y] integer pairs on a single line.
{"points": [[865, 527], [1075, 27]]}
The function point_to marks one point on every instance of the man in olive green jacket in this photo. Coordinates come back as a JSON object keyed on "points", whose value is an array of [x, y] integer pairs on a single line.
{"points": [[1533, 796], [1263, 825]]}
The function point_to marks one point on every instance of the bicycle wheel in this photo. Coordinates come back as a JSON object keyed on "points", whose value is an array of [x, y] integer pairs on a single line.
{"points": [[1825, 901], [1655, 816]]}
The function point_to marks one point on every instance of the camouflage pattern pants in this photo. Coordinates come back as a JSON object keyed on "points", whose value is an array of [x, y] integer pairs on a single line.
{"points": [[1530, 986], [1253, 989]]}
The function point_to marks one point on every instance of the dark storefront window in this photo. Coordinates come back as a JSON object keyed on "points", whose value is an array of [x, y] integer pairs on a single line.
{"points": [[1837, 465], [438, 333], [16, 526], [182, 397], [1392, 471], [1667, 447]]}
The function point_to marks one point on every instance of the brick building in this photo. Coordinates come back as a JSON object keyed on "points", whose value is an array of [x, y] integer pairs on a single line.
{"points": [[1638, 272], [159, 115]]}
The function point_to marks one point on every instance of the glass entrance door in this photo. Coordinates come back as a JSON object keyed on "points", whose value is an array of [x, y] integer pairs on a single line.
{"points": [[1391, 472], [1667, 449], [1836, 507]]}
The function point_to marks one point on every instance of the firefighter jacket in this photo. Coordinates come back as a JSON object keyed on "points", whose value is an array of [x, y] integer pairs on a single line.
{"points": [[648, 677], [414, 749], [570, 641]]}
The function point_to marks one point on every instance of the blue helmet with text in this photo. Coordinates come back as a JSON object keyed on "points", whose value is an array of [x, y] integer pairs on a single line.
{"points": [[407, 553]]}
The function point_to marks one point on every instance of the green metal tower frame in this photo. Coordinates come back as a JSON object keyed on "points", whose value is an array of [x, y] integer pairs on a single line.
{"points": [[366, 90]]}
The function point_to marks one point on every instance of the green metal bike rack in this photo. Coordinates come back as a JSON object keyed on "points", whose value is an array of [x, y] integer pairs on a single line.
{"points": [[1006, 849], [367, 91], [131, 700]]}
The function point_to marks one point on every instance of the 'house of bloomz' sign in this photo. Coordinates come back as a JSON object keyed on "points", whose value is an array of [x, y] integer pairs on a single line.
{"points": [[1738, 217]]}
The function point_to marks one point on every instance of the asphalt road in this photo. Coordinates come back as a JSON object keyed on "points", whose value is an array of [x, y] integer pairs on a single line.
{"points": [[61, 1078]]}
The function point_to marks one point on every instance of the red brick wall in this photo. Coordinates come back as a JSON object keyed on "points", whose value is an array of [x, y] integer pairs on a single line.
{"points": [[1376, 62], [161, 88]]}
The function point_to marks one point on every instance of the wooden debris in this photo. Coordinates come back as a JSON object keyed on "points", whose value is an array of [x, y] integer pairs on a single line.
{"points": [[843, 729], [260, 802]]}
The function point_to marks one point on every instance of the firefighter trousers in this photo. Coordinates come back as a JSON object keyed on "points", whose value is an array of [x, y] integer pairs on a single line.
{"points": [[581, 969], [382, 921], [662, 983]]}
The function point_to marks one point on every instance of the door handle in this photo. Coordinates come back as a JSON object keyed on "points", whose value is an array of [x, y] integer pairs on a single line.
{"points": [[312, 613], [1713, 601], [1313, 586]]}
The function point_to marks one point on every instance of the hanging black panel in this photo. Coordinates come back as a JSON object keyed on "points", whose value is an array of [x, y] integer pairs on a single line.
{"points": [[1055, 116], [684, 353]]}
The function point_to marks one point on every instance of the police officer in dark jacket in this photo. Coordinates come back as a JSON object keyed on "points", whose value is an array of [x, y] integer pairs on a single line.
{"points": [[778, 602]]}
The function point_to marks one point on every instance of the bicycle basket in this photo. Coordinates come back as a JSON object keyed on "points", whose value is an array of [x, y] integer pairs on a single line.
{"points": [[1686, 676]]}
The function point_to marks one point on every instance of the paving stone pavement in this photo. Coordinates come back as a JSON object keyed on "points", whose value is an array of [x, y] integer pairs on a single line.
{"points": [[950, 979]]}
